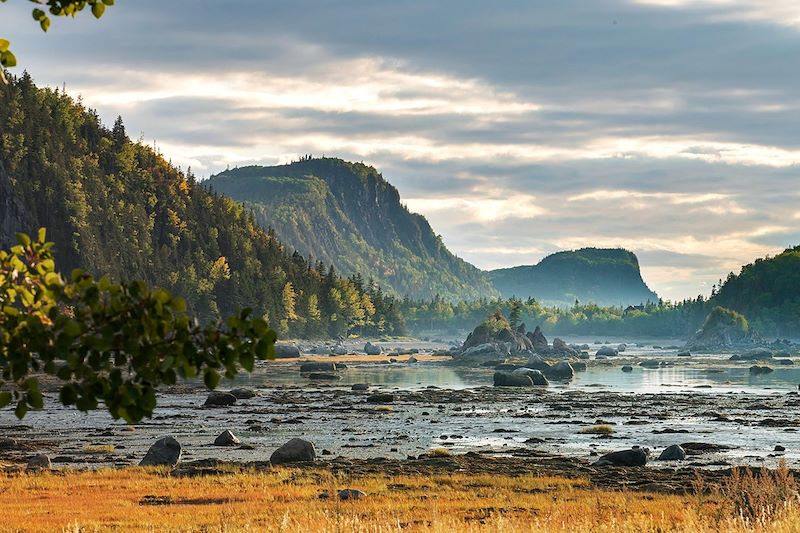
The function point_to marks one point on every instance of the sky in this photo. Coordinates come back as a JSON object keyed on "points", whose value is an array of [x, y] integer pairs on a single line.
{"points": [[518, 128]]}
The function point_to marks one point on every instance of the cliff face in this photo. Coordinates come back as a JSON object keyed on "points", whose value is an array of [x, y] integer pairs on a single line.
{"points": [[13, 217]]}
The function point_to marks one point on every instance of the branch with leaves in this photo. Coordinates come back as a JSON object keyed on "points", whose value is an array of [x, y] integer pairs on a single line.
{"points": [[114, 343], [56, 8]]}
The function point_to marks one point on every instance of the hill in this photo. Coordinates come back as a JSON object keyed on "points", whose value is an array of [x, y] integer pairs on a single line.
{"points": [[348, 215], [117, 208], [767, 293], [607, 277]]}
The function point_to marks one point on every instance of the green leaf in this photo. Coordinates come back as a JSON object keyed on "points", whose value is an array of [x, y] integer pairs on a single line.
{"points": [[35, 399], [21, 410], [4, 44], [5, 399], [42, 235], [23, 239], [38, 14], [98, 9], [72, 328], [211, 379]]}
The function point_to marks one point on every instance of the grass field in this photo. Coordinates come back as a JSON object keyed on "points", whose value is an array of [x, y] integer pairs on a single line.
{"points": [[288, 500]]}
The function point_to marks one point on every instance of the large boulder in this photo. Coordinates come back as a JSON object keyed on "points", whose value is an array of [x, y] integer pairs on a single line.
{"points": [[294, 451], [318, 367], [485, 352], [633, 457], [373, 349], [243, 393], [38, 462], [538, 340], [220, 399], [673, 453], [538, 363], [227, 438], [607, 351], [756, 354], [166, 451], [505, 379], [286, 351], [340, 349], [755, 369], [536, 376], [560, 371]]}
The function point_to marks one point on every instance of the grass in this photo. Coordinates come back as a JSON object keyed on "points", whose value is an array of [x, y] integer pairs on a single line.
{"points": [[98, 448], [600, 429], [137, 499], [439, 452], [384, 408]]}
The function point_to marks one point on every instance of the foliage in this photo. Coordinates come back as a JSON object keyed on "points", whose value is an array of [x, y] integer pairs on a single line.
{"points": [[720, 318], [603, 276], [57, 8], [348, 215], [117, 208], [111, 342]]}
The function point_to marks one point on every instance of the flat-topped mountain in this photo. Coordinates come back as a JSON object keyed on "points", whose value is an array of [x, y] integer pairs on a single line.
{"points": [[346, 214], [599, 275]]}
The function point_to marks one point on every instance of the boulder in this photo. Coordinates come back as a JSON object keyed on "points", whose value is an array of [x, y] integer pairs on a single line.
{"points": [[339, 349], [351, 494], [673, 453], [242, 393], [488, 351], [373, 349], [627, 368], [38, 462], [227, 438], [579, 366], [537, 378], [607, 351], [294, 451], [505, 379], [559, 345], [634, 457], [622, 347], [380, 397], [684, 353], [166, 451], [755, 369], [286, 351], [220, 399], [412, 360], [756, 354], [561, 371], [360, 387], [784, 362], [319, 367], [538, 340], [537, 363], [650, 363]]}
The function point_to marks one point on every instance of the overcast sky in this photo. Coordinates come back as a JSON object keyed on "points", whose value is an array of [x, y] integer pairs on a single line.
{"points": [[519, 128]]}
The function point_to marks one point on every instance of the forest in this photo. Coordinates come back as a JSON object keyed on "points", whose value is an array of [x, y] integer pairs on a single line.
{"points": [[117, 208]]}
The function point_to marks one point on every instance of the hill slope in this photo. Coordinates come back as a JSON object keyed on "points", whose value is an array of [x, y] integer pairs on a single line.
{"points": [[348, 215], [601, 276], [114, 207]]}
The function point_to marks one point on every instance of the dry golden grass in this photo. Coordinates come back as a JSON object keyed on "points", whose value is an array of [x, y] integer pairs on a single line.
{"points": [[98, 448], [600, 429], [287, 500]]}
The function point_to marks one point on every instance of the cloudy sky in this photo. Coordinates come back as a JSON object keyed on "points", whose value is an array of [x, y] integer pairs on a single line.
{"points": [[519, 128]]}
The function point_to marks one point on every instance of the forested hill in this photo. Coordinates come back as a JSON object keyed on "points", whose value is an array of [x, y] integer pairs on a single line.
{"points": [[348, 215], [596, 275], [116, 208], [767, 293]]}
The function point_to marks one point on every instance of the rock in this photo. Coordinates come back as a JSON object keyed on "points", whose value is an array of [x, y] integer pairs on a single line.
{"points": [[584, 355], [242, 393], [607, 351], [485, 352], [561, 371], [779, 448], [220, 399], [286, 351], [339, 349], [650, 363], [673, 453], [7, 443], [38, 462], [360, 387], [579, 366], [559, 345], [627, 368], [784, 362], [380, 397], [412, 360], [633, 457], [684, 353], [351, 494], [504, 379], [722, 328], [538, 340], [622, 347], [755, 369], [166, 451], [373, 349], [227, 438], [323, 376], [756, 354], [319, 367], [537, 363], [537, 378], [294, 451]]}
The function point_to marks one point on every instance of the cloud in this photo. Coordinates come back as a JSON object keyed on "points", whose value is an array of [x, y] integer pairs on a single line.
{"points": [[666, 126]]}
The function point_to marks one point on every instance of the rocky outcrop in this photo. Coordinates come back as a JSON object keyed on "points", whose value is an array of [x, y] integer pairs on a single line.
{"points": [[538, 340], [722, 329]]}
